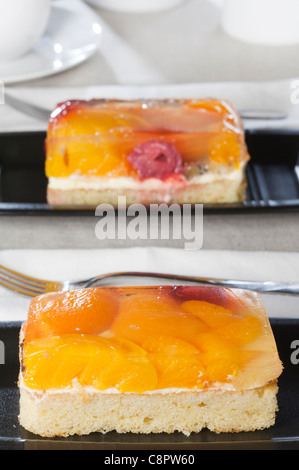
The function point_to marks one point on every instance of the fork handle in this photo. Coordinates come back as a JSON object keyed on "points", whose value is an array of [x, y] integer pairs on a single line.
{"points": [[258, 286]]}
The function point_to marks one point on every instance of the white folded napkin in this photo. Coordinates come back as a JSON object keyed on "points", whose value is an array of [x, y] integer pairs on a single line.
{"points": [[81, 264], [274, 95]]}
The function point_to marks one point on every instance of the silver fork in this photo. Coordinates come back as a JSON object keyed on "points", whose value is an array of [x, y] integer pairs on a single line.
{"points": [[44, 114], [27, 108], [30, 286]]}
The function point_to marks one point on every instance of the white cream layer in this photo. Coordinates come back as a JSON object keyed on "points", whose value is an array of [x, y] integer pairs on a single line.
{"points": [[76, 388], [98, 183]]}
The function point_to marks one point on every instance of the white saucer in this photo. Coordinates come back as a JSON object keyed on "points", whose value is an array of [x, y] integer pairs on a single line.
{"points": [[72, 36]]}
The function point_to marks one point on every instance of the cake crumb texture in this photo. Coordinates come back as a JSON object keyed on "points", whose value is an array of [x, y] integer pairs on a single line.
{"points": [[223, 191], [66, 413]]}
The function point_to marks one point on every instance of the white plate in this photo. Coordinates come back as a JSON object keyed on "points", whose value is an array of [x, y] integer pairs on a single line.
{"points": [[72, 36], [135, 5]]}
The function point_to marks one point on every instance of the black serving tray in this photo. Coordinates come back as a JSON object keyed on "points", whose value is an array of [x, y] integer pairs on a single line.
{"points": [[284, 435], [273, 174]]}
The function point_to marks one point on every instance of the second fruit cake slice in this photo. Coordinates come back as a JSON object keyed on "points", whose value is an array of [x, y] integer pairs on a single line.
{"points": [[147, 360], [150, 151]]}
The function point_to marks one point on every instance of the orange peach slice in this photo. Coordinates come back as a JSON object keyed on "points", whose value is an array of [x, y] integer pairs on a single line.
{"points": [[88, 311]]}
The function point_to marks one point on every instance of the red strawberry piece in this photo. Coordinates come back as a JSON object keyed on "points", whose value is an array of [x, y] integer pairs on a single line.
{"points": [[214, 295], [156, 159]]}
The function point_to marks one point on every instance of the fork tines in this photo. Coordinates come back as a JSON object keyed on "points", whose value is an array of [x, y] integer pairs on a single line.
{"points": [[20, 283]]}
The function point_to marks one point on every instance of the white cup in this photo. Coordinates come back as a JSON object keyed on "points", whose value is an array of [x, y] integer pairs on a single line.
{"points": [[135, 5], [22, 23], [268, 22]]}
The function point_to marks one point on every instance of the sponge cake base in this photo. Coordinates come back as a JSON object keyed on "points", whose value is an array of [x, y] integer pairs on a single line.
{"points": [[65, 413]]}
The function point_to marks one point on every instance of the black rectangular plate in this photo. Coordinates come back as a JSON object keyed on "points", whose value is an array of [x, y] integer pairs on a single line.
{"points": [[283, 436], [273, 174]]}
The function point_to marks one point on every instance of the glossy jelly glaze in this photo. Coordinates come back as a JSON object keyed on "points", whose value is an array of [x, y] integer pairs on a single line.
{"points": [[144, 339], [144, 139]]}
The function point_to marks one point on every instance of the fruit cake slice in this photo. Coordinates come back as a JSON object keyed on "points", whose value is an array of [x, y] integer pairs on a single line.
{"points": [[150, 151], [147, 360]]}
